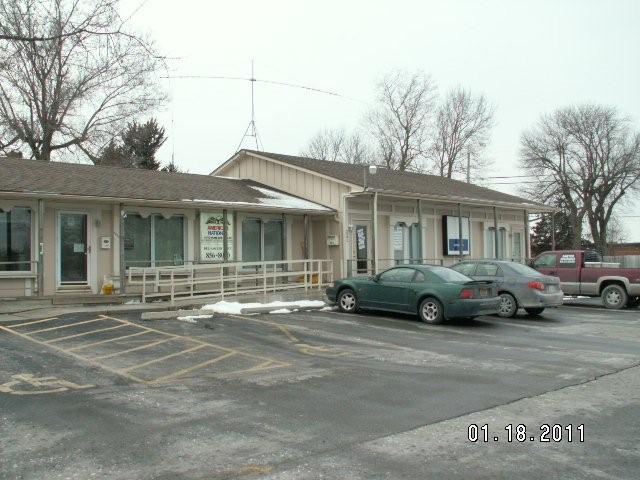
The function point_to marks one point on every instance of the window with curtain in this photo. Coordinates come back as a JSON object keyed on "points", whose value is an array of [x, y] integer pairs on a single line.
{"points": [[251, 240], [399, 242], [15, 240], [502, 243], [154, 241], [517, 246]]}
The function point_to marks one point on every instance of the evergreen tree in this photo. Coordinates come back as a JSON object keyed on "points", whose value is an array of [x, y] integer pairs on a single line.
{"points": [[141, 142]]}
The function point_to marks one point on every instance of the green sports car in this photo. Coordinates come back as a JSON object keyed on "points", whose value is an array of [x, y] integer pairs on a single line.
{"points": [[434, 293]]}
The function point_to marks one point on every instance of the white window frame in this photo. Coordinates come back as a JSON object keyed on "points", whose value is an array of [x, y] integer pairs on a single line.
{"points": [[152, 256], [263, 218], [34, 242]]}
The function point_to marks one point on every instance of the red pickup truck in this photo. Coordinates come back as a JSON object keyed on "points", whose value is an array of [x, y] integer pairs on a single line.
{"points": [[582, 272]]}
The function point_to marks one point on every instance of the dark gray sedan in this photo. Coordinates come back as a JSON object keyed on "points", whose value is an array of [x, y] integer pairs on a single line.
{"points": [[519, 286]]}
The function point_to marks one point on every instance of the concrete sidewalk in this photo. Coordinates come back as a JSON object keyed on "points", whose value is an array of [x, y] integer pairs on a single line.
{"points": [[26, 309]]}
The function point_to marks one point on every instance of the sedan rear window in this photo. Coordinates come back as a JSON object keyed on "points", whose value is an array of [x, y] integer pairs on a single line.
{"points": [[465, 268], [449, 275], [524, 270]]}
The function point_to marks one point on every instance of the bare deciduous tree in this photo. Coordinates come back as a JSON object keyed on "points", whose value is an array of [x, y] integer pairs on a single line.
{"points": [[462, 125], [325, 145], [338, 146], [76, 86], [401, 121], [588, 157]]}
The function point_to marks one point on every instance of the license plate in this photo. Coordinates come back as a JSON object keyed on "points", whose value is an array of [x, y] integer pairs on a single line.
{"points": [[485, 292], [552, 288]]}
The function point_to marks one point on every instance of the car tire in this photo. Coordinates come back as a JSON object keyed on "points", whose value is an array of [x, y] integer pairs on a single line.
{"points": [[534, 310], [508, 306], [614, 297], [348, 301], [431, 311]]}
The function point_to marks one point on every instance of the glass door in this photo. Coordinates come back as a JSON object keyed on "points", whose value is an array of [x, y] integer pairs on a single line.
{"points": [[73, 248]]}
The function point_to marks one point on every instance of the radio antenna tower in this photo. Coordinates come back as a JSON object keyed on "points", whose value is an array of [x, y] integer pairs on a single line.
{"points": [[251, 130]]}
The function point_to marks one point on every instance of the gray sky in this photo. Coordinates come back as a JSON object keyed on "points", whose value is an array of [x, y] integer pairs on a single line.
{"points": [[527, 57]]}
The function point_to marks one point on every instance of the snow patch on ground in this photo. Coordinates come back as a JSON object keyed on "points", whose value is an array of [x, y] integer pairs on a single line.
{"points": [[193, 318], [328, 308], [281, 310], [236, 307]]}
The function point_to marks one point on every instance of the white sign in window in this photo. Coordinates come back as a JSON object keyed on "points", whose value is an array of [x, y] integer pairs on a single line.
{"points": [[451, 244], [212, 236]]}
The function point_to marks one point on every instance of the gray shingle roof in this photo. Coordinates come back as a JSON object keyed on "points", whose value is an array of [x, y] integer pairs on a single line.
{"points": [[35, 176], [401, 182]]}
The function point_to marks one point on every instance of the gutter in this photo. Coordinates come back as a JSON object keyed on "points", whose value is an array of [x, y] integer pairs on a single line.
{"points": [[187, 204], [531, 207]]}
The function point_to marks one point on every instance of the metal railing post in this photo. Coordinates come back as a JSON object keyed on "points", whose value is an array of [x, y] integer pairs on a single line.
{"points": [[222, 283], [144, 284], [172, 289]]}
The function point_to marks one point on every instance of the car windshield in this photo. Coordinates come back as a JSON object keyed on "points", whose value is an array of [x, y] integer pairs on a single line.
{"points": [[449, 275], [523, 270]]}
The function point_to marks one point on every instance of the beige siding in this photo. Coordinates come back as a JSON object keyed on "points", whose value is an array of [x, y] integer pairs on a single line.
{"points": [[291, 180]]}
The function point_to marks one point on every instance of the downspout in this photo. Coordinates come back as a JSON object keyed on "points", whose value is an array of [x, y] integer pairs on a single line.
{"points": [[121, 249], [40, 244], [460, 248], [374, 246], [495, 233]]}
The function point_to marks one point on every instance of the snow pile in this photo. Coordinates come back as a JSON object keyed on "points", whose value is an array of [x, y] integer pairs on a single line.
{"points": [[193, 318], [236, 307], [281, 310]]}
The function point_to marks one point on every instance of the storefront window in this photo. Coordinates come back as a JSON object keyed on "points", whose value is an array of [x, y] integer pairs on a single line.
{"points": [[15, 240], [262, 240], [153, 241], [251, 251], [398, 242], [168, 240], [414, 242], [273, 240]]}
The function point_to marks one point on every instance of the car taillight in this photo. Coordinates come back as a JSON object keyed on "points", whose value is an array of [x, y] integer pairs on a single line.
{"points": [[466, 293], [536, 285]]}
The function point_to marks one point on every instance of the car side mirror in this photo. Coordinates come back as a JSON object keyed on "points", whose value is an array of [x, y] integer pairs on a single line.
{"points": [[376, 278]]}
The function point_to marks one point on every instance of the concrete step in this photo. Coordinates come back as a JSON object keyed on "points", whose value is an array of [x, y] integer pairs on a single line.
{"points": [[78, 298]]}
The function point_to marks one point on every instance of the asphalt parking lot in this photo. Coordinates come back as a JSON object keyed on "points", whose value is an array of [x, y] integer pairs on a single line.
{"points": [[319, 395]]}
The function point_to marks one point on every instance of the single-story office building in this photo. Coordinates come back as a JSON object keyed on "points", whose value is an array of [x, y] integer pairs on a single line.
{"points": [[73, 228], [390, 217]]}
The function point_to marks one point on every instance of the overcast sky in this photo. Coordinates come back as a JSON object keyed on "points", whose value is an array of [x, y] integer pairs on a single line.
{"points": [[527, 57]]}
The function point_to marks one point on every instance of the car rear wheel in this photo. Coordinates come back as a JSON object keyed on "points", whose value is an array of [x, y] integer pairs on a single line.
{"points": [[508, 306], [534, 310], [347, 301], [614, 297], [431, 311]]}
